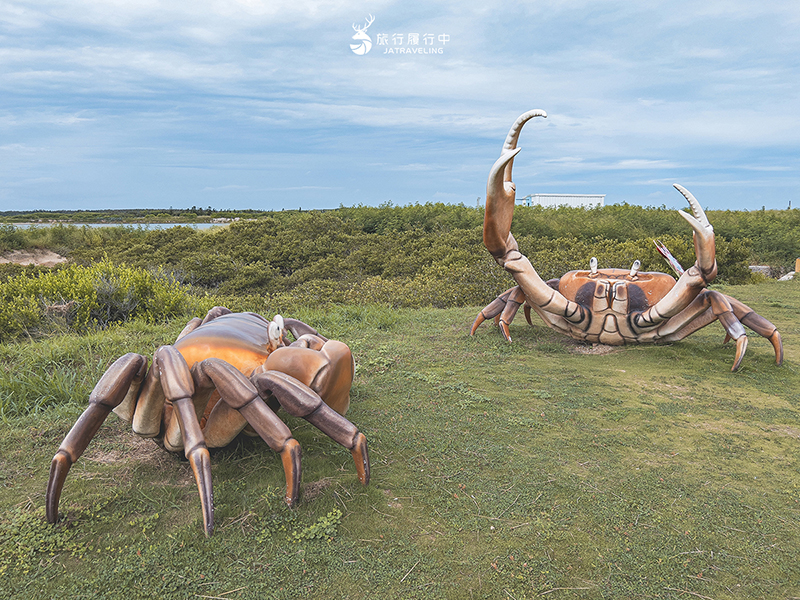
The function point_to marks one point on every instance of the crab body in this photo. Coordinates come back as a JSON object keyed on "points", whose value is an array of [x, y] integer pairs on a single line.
{"points": [[242, 340], [225, 374], [612, 306], [611, 296]]}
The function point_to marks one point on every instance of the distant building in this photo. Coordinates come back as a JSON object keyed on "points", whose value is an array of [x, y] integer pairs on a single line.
{"points": [[576, 200]]}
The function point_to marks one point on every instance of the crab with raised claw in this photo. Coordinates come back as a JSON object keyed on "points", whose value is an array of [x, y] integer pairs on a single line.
{"points": [[612, 306], [227, 373]]}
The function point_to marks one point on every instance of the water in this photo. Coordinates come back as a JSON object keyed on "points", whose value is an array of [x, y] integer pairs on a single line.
{"points": [[149, 226]]}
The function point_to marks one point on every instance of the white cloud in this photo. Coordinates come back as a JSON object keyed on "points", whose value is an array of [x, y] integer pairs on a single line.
{"points": [[630, 87], [641, 163]]}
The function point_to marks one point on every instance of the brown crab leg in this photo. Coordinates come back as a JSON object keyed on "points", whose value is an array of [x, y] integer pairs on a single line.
{"points": [[298, 328], [515, 300], [724, 312], [527, 309], [309, 340], [237, 391], [709, 306], [215, 312], [176, 381], [760, 325], [492, 310], [197, 453], [299, 400], [108, 393], [190, 327]]}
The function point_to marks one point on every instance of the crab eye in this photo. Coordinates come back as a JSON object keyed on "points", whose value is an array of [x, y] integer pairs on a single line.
{"points": [[274, 334], [279, 320]]}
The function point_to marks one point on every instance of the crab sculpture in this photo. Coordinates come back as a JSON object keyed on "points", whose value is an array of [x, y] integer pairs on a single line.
{"points": [[612, 306], [227, 373]]}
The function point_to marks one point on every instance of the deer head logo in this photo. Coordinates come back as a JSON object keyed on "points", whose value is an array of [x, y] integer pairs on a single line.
{"points": [[363, 41]]}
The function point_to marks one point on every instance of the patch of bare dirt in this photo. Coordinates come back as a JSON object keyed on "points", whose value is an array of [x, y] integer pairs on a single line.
{"points": [[595, 349], [786, 430], [314, 489], [129, 451], [41, 258], [132, 447]]}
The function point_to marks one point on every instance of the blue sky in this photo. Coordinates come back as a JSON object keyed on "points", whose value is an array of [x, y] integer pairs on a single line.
{"points": [[262, 104]]}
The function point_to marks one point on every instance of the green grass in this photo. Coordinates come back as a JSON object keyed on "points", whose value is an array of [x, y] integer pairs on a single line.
{"points": [[498, 471]]}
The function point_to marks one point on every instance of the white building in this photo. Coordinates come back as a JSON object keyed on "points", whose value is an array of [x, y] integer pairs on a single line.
{"points": [[577, 200]]}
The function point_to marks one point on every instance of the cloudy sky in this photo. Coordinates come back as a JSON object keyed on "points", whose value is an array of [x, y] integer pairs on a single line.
{"points": [[262, 103]]}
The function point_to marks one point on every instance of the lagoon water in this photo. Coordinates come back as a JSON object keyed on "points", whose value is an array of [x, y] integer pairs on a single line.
{"points": [[134, 225]]}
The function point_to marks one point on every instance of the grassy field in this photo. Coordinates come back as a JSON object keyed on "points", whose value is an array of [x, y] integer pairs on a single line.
{"points": [[537, 469]]}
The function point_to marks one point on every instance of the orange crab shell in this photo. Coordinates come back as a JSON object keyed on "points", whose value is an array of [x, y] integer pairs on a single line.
{"points": [[242, 339], [643, 289]]}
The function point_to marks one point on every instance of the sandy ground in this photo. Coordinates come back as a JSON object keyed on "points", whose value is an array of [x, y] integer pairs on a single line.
{"points": [[42, 258]]}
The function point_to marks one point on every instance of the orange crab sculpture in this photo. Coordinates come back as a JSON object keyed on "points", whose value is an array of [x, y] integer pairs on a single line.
{"points": [[612, 306], [223, 374]]}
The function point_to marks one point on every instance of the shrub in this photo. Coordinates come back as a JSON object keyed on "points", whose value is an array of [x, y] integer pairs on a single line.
{"points": [[10, 238], [86, 297]]}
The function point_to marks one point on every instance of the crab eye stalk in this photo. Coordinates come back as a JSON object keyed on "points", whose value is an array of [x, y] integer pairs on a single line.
{"points": [[275, 335]]}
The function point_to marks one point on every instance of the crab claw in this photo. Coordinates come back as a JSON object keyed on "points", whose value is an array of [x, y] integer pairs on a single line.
{"points": [[500, 195], [704, 246], [501, 192], [513, 134]]}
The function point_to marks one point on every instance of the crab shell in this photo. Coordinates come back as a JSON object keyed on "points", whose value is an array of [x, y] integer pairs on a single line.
{"points": [[611, 296]]}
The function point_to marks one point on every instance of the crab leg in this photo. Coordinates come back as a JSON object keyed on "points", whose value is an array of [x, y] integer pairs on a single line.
{"points": [[515, 300], [299, 400], [298, 329], [503, 308], [109, 392], [239, 393], [176, 381], [215, 312], [190, 327], [709, 306], [758, 324]]}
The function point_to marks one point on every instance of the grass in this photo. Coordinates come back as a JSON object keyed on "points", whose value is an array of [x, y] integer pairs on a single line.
{"points": [[499, 471]]}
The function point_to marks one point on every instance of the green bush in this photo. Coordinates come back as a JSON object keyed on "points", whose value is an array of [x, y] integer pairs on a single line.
{"points": [[11, 238], [85, 297], [418, 255]]}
